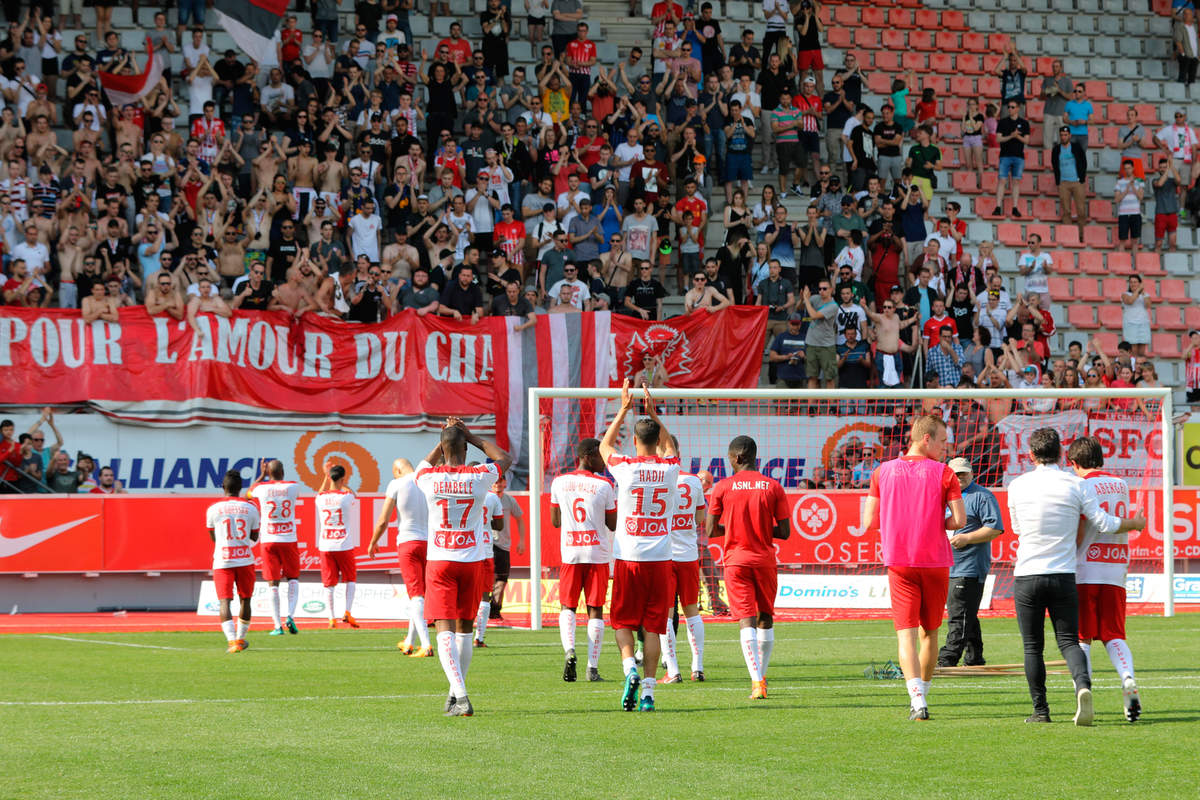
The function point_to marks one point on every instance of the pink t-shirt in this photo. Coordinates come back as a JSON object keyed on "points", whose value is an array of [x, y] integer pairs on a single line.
{"points": [[913, 492]]}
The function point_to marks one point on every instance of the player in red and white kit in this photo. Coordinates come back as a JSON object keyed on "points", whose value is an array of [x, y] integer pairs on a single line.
{"points": [[455, 495], [276, 499], [646, 486], [686, 522], [233, 527], [405, 500], [1102, 559], [749, 510], [583, 505], [337, 539], [489, 525]]}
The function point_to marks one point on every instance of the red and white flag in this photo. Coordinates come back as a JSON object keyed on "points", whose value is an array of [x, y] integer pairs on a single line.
{"points": [[125, 89], [252, 24]]}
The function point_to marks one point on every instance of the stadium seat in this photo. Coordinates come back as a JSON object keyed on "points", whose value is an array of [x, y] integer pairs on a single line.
{"points": [[989, 87], [840, 38], [954, 20], [1060, 288], [998, 42], [965, 182], [866, 37], [920, 40], [975, 42], [1064, 263], [942, 63], [846, 16], [1097, 91], [1092, 263], [1115, 112], [1147, 113], [1113, 287], [915, 61], [968, 65], [1118, 262], [1150, 264], [1009, 233], [1035, 110], [1111, 136], [900, 18], [873, 17], [893, 39], [1191, 315], [1087, 289], [1169, 318], [984, 205], [1101, 210], [1096, 236], [1165, 345], [990, 178], [1045, 209], [960, 85], [1067, 236], [1081, 316], [1044, 65], [1110, 317], [954, 107], [947, 41], [1173, 290], [927, 19], [950, 130]]}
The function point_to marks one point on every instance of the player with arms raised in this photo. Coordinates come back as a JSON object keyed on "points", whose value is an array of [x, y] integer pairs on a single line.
{"points": [[1102, 560], [276, 499], [590, 504], [686, 522], [233, 526], [908, 499], [337, 539], [412, 536], [490, 524], [454, 495], [646, 486], [749, 510]]}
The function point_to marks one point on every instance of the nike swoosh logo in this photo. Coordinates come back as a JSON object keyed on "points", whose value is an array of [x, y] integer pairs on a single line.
{"points": [[11, 545]]}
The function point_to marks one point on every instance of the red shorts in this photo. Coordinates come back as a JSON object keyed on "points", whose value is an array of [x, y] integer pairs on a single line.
{"points": [[1101, 612], [685, 582], [589, 579], [280, 560], [641, 595], [228, 577], [412, 567], [809, 59], [487, 576], [335, 562], [918, 596], [451, 589], [1164, 224], [751, 590]]}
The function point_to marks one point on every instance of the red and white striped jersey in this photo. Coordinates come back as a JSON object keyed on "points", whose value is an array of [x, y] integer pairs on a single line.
{"points": [[455, 499], [689, 496], [231, 522], [583, 498], [337, 521], [492, 509], [1104, 557], [646, 490], [277, 505]]}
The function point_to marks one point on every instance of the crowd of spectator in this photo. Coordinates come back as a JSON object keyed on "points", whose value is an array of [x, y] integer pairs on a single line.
{"points": [[28, 465]]}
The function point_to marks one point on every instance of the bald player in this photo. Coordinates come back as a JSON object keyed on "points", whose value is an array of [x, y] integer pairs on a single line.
{"points": [[406, 501], [276, 499]]}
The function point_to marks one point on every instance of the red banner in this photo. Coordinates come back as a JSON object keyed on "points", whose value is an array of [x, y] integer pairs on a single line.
{"points": [[126, 533]]}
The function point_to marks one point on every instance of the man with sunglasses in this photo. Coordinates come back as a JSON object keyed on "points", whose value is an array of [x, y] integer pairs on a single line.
{"points": [[1013, 134], [38, 438], [1180, 142], [253, 292], [1077, 114]]}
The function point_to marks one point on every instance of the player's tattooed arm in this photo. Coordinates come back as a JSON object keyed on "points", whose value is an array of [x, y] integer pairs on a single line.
{"points": [[608, 445]]}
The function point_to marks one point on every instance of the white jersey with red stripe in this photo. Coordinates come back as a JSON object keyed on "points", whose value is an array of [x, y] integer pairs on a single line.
{"points": [[492, 509], [583, 498], [277, 505], [646, 491], [231, 522], [455, 500], [689, 497], [412, 513], [1104, 557], [337, 521]]}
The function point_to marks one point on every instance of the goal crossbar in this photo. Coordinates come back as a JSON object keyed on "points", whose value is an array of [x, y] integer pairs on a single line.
{"points": [[536, 487]]}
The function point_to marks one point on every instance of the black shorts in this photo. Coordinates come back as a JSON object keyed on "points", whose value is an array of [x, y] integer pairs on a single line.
{"points": [[1129, 226], [811, 140], [790, 155], [501, 561]]}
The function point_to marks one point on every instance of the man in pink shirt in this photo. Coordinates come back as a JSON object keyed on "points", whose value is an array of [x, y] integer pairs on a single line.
{"points": [[908, 498]]}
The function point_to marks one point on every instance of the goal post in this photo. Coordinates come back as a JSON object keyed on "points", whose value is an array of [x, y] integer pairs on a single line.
{"points": [[822, 443]]}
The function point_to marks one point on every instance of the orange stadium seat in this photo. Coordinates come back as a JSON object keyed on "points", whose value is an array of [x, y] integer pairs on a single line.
{"points": [[866, 37], [1087, 289], [1150, 264], [1191, 315], [920, 40], [975, 42], [968, 64], [1118, 262], [1165, 345], [990, 179], [894, 39], [1044, 65], [840, 38], [873, 17], [954, 107], [1097, 90], [900, 18], [1092, 263], [1173, 290], [1110, 317], [1060, 288], [1115, 112], [1009, 233], [950, 130], [915, 61], [1147, 113], [988, 86], [910, 3], [947, 41], [1096, 236], [965, 182], [1045, 208], [879, 82], [927, 19], [1101, 210], [889, 61], [1044, 231], [846, 15], [954, 20], [998, 41], [1113, 287], [1081, 316], [961, 85], [1169, 318], [1035, 110], [1064, 262], [1111, 136], [984, 205], [1067, 236]]}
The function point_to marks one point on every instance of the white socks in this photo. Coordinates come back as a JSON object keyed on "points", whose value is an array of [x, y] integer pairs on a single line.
{"points": [[668, 650], [243, 625], [448, 655], [916, 693], [465, 649], [628, 665], [648, 684], [1121, 657], [766, 644], [228, 628], [293, 595], [329, 601], [595, 634], [274, 592], [566, 629], [481, 619], [1086, 647], [749, 642], [416, 606], [695, 635], [350, 587]]}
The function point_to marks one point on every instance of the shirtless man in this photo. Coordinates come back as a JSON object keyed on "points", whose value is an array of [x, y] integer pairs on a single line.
{"points": [[207, 302], [70, 263], [888, 345], [231, 252], [86, 151], [318, 215], [161, 297], [330, 175], [702, 296], [47, 228], [301, 169], [99, 305], [41, 141], [333, 293], [292, 296], [127, 167], [256, 220], [265, 165], [128, 132], [618, 263], [400, 258]]}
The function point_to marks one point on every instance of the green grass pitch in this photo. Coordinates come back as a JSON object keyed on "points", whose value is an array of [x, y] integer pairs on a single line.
{"points": [[339, 714]]}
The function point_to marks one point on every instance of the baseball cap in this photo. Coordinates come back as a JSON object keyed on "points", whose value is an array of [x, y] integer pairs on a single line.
{"points": [[391, 17], [422, 197], [895, 289], [810, 79], [1064, 128], [699, 159], [797, 317], [960, 465], [1193, 330]]}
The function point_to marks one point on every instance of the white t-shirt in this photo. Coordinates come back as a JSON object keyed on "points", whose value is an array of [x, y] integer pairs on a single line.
{"points": [[231, 521], [337, 521], [1036, 280], [364, 236], [503, 537], [627, 152], [455, 498], [847, 129], [277, 503], [466, 227], [1104, 557], [1045, 505], [1179, 139], [1129, 205], [852, 257], [688, 498], [320, 66], [492, 508], [191, 53], [750, 101], [200, 91], [583, 498], [947, 247], [412, 513], [579, 292], [646, 491], [36, 256], [481, 214], [272, 96]]}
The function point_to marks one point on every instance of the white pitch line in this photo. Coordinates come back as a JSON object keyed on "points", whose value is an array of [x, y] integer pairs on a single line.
{"points": [[198, 701], [115, 644]]}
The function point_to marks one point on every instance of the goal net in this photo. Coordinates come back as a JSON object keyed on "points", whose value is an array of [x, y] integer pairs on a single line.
{"points": [[822, 446]]}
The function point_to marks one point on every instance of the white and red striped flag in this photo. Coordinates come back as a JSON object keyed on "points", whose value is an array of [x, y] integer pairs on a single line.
{"points": [[125, 89]]}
